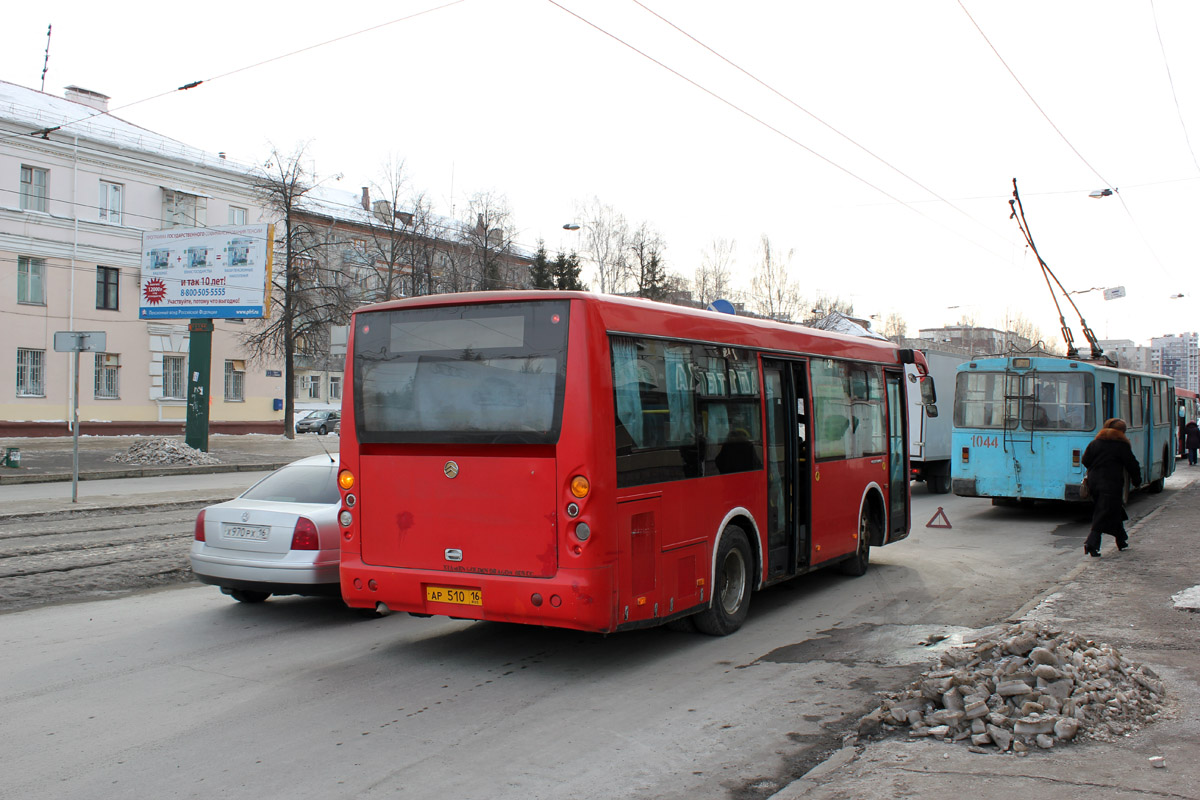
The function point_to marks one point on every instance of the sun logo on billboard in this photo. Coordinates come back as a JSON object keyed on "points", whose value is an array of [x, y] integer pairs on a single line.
{"points": [[154, 291]]}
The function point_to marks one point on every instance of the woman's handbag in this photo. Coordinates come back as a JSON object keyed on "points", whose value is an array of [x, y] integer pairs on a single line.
{"points": [[1084, 492]]}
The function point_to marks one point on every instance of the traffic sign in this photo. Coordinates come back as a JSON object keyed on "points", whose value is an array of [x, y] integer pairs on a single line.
{"points": [[75, 341]]}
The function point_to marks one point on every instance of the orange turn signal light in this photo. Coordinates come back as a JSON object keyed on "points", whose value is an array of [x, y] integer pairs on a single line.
{"points": [[580, 486], [346, 479]]}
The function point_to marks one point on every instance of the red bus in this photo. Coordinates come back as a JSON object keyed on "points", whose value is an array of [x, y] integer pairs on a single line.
{"points": [[603, 463], [1187, 409]]}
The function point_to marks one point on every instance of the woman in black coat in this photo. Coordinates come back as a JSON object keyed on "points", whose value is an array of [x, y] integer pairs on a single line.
{"points": [[1108, 458], [1191, 441]]}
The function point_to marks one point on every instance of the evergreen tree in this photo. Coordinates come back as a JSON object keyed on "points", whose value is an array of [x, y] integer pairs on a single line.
{"points": [[566, 269], [542, 273]]}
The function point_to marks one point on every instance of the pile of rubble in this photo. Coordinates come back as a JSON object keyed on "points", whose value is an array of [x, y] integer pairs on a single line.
{"points": [[163, 451], [1024, 685]]}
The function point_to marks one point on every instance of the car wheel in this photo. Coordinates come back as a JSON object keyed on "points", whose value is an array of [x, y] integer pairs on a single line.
{"points": [[322, 431], [248, 595], [731, 595], [939, 484], [857, 564]]}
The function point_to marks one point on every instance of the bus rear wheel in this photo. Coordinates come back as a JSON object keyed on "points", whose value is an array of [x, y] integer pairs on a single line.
{"points": [[857, 564], [731, 595]]}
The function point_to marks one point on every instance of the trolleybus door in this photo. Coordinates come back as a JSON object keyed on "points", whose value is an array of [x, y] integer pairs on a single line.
{"points": [[897, 458], [785, 386]]}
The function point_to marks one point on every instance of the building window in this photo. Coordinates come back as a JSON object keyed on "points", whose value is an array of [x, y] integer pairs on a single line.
{"points": [[31, 280], [237, 216], [110, 202], [174, 378], [33, 188], [235, 380], [183, 210], [106, 288], [108, 383], [310, 386], [31, 374], [335, 387]]}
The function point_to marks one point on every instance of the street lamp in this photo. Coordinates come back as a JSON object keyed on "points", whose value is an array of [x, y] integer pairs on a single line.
{"points": [[571, 226], [1101, 193]]}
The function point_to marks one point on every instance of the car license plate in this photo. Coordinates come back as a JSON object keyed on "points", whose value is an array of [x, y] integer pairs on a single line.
{"points": [[258, 533], [462, 597]]}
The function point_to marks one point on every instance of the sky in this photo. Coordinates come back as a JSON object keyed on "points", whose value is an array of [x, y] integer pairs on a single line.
{"points": [[875, 141]]}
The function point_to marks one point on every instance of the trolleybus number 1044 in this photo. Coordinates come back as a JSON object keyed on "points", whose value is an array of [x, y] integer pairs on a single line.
{"points": [[985, 441]]}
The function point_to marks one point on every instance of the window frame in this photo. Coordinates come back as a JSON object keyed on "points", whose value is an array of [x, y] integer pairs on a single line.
{"points": [[105, 207], [108, 288], [107, 377], [25, 264], [180, 379], [235, 381], [34, 197], [34, 374], [233, 212]]}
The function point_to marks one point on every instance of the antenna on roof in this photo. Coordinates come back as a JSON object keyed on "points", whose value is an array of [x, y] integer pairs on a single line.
{"points": [[46, 63]]}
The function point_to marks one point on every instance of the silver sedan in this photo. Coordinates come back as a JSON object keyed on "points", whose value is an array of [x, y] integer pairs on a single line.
{"points": [[280, 536]]}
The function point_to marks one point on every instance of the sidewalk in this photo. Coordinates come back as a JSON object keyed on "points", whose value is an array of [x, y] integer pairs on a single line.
{"points": [[42, 484], [1123, 599]]}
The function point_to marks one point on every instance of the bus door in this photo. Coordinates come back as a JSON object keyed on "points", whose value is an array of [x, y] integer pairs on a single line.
{"points": [[898, 496], [789, 467]]}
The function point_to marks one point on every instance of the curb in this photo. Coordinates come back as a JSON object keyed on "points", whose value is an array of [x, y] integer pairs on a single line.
{"points": [[143, 472]]}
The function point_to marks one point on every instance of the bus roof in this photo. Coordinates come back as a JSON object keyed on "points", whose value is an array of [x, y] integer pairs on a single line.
{"points": [[640, 317]]}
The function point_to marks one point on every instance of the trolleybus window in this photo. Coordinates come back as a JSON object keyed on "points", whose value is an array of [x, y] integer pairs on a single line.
{"points": [[482, 373]]}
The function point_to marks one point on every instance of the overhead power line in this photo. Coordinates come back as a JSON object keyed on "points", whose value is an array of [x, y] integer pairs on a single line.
{"points": [[771, 127]]}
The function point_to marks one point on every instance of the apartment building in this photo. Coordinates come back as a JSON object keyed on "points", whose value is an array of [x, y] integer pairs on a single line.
{"points": [[77, 189], [1178, 355]]}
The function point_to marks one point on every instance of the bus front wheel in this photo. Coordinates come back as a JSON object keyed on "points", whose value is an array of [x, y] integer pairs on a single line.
{"points": [[731, 594]]}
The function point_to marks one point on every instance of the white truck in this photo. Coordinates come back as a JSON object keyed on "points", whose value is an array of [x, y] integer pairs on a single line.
{"points": [[929, 436]]}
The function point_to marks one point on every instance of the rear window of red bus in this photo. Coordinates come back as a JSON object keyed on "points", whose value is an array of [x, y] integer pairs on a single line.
{"points": [[486, 373]]}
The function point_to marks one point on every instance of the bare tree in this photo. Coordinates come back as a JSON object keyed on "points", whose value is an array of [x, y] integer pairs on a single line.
{"points": [[309, 289], [712, 279], [389, 250], [825, 304], [895, 327], [606, 243], [487, 238], [647, 270], [772, 291]]}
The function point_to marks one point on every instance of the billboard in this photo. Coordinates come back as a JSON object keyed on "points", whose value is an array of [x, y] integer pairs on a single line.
{"points": [[207, 273]]}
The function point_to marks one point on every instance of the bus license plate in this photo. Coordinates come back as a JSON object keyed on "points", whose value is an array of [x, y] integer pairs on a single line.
{"points": [[462, 597]]}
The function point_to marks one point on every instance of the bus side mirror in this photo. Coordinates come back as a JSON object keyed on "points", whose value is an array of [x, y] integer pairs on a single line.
{"points": [[929, 396]]}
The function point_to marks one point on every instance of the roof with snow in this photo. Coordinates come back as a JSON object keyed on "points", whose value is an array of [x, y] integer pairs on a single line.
{"points": [[837, 322], [39, 111]]}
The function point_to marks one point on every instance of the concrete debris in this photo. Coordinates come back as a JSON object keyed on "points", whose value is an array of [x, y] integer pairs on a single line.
{"points": [[163, 451], [1024, 686], [1188, 599]]}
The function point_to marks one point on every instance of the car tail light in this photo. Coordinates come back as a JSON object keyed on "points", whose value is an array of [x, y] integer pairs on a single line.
{"points": [[199, 534], [305, 537]]}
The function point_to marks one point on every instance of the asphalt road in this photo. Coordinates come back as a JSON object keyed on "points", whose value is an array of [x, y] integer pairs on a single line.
{"points": [[181, 692]]}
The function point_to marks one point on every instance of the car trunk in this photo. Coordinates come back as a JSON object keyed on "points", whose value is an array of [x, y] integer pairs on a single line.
{"points": [[253, 526], [490, 514]]}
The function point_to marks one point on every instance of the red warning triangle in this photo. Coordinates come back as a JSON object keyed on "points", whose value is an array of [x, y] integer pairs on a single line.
{"points": [[933, 523]]}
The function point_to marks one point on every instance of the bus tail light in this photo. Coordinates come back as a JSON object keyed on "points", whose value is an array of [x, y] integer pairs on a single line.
{"points": [[966, 454], [304, 536], [1074, 458], [346, 480], [580, 486], [199, 532]]}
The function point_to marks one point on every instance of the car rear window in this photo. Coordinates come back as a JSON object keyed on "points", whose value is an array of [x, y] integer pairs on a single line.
{"points": [[298, 484]]}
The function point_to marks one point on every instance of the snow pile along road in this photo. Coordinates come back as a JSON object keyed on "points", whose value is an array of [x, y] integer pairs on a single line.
{"points": [[163, 451], [1023, 685]]}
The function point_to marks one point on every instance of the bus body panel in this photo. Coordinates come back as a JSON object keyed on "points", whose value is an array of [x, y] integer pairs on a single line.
{"points": [[472, 506], [649, 555]]}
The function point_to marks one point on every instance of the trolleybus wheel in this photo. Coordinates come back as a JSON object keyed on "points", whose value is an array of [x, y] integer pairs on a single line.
{"points": [[731, 595], [1157, 486], [857, 564]]}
